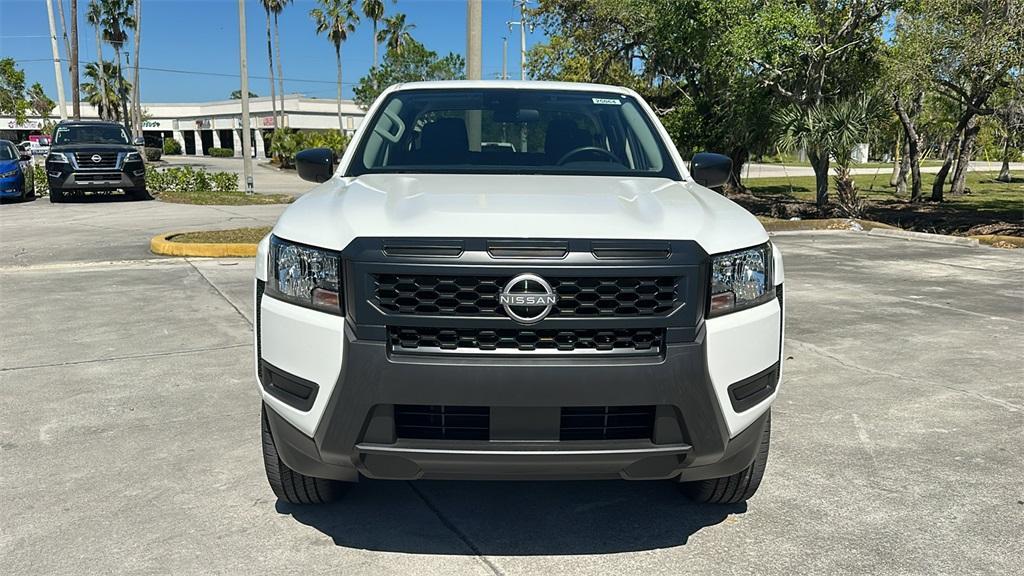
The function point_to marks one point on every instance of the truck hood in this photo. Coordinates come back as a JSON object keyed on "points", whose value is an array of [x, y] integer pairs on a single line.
{"points": [[93, 148], [517, 206]]}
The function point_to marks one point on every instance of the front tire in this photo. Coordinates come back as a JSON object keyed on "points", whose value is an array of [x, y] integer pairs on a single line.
{"points": [[738, 487], [139, 194], [57, 196], [289, 485]]}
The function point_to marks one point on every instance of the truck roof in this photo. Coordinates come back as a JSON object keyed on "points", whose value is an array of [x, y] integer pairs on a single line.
{"points": [[510, 85]]}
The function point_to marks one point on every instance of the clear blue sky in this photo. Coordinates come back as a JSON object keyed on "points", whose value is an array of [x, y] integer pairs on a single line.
{"points": [[202, 36]]}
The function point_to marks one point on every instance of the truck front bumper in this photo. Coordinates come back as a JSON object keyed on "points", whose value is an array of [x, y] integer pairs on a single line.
{"points": [[353, 423]]}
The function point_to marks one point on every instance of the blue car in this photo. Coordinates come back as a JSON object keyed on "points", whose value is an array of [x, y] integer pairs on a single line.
{"points": [[15, 173]]}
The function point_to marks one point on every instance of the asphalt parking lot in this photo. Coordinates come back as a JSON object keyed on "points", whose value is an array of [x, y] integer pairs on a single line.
{"points": [[129, 427]]}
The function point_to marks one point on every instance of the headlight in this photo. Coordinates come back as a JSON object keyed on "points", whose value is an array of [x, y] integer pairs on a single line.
{"points": [[132, 157], [741, 279], [57, 157], [306, 276], [10, 174]]}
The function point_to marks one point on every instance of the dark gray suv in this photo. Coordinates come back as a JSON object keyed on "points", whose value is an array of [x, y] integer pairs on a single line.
{"points": [[94, 156]]}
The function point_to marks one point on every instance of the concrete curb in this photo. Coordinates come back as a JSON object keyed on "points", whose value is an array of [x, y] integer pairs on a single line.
{"points": [[923, 236], [162, 244]]}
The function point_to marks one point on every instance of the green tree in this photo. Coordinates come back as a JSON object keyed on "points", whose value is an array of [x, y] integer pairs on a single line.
{"points": [[12, 90], [117, 19], [94, 15], [336, 19], [410, 64], [237, 94], [974, 46], [684, 56], [268, 6], [105, 89], [810, 53], [832, 130], [39, 102], [374, 12], [276, 8], [396, 34]]}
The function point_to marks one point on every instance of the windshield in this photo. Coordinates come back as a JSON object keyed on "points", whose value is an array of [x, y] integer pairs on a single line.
{"points": [[90, 134], [7, 151], [498, 131]]}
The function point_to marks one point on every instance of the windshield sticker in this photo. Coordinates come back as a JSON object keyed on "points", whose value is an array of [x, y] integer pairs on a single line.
{"points": [[612, 101]]}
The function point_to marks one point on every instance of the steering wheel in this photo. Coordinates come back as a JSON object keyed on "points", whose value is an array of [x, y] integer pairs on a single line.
{"points": [[587, 150]]}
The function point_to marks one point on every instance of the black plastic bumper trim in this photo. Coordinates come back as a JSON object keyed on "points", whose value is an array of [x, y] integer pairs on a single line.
{"points": [[298, 393], [751, 391]]}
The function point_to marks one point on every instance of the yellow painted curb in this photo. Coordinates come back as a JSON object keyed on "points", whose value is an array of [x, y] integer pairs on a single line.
{"points": [[162, 244]]}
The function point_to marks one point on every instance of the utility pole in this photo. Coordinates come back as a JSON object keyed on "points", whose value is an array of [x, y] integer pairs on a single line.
{"points": [[56, 62], [76, 104], [522, 38], [474, 64], [246, 127]]}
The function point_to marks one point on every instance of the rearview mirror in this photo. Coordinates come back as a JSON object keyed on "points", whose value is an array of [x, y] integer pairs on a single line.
{"points": [[711, 170], [315, 164], [139, 141]]}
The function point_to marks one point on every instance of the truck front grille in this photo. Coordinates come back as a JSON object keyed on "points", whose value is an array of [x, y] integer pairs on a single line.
{"points": [[512, 340], [607, 423], [430, 422], [433, 295], [86, 161]]}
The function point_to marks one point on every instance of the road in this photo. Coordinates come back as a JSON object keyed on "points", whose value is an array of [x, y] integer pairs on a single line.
{"points": [[129, 427]]}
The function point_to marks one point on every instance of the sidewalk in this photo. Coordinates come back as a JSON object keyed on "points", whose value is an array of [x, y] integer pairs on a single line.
{"points": [[754, 170]]}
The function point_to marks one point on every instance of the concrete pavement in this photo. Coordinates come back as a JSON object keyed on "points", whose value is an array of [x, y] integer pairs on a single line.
{"points": [[129, 427]]}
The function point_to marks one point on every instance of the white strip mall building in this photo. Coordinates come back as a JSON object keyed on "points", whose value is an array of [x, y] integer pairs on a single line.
{"points": [[199, 126]]}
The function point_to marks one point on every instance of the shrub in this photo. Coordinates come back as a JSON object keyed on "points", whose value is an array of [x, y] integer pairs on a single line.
{"points": [[334, 139], [39, 181], [221, 152], [188, 179], [284, 143], [171, 147], [152, 154], [224, 182]]}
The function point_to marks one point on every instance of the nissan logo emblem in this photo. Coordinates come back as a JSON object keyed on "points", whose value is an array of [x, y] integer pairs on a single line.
{"points": [[96, 158], [528, 298]]}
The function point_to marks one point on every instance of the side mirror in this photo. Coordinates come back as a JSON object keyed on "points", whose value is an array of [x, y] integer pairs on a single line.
{"points": [[139, 141], [25, 157], [711, 170], [315, 164]]}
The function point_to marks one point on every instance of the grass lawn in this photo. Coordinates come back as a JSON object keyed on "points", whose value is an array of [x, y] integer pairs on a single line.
{"points": [[222, 198], [991, 207], [235, 236]]}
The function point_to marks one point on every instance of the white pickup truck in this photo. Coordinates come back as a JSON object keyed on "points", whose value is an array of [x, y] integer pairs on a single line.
{"points": [[516, 280]]}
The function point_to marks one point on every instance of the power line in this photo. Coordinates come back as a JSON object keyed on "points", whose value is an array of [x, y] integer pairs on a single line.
{"points": [[202, 73]]}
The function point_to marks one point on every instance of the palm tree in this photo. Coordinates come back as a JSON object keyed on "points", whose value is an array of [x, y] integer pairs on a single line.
{"points": [[270, 60], [374, 10], [336, 18], [117, 20], [94, 14], [396, 33], [832, 130], [278, 6], [104, 89]]}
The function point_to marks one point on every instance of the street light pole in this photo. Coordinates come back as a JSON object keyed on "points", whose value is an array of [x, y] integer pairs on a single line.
{"points": [[246, 126], [504, 57], [522, 38], [56, 62]]}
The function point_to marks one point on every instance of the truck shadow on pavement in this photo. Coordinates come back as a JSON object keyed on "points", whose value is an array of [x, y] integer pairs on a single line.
{"points": [[510, 518]]}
